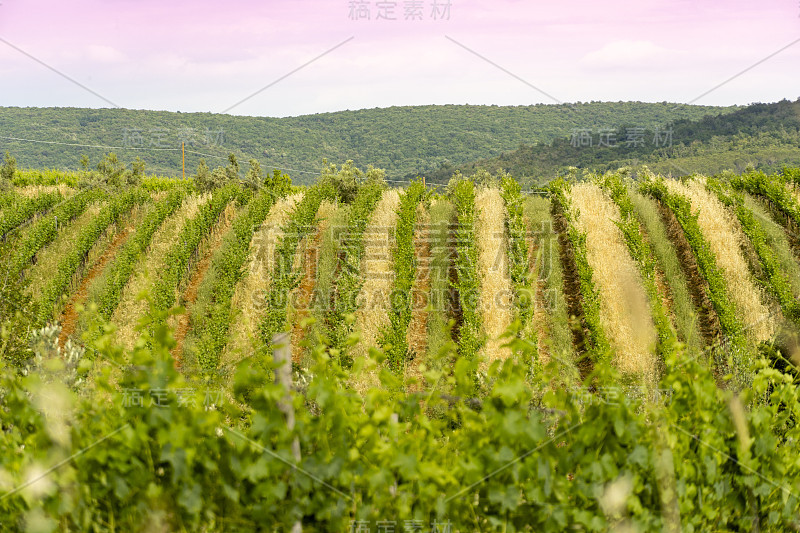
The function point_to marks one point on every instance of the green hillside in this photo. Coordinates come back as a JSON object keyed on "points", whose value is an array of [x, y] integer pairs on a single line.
{"points": [[763, 136], [403, 140]]}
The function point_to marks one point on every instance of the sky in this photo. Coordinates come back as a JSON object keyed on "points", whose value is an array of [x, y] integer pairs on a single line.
{"points": [[285, 58]]}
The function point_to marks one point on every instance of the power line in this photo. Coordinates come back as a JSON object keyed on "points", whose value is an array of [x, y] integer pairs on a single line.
{"points": [[155, 149], [89, 145], [145, 148]]}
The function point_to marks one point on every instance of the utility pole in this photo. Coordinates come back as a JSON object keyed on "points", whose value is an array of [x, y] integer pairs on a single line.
{"points": [[183, 159]]}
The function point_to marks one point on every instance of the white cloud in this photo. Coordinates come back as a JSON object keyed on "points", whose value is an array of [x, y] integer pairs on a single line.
{"points": [[629, 54]]}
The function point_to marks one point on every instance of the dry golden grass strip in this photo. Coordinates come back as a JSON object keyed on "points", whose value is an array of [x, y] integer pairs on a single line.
{"points": [[417, 336], [624, 307], [378, 276], [47, 259], [248, 298], [131, 308], [725, 237], [300, 307], [31, 191], [496, 301]]}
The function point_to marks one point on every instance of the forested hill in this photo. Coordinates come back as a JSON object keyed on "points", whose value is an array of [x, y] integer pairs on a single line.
{"points": [[763, 136], [403, 140]]}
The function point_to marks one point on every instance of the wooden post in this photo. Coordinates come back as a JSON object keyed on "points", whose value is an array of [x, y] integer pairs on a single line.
{"points": [[282, 353], [423, 182], [183, 159]]}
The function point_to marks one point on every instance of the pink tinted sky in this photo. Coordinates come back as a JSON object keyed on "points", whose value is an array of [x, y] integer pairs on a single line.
{"points": [[206, 56]]}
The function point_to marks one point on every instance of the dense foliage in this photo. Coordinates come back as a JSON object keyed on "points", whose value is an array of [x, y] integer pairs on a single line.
{"points": [[7, 198], [23, 208], [471, 336], [8, 170], [121, 440], [518, 265], [697, 460], [349, 279], [773, 189], [763, 136], [44, 230], [17, 315]]}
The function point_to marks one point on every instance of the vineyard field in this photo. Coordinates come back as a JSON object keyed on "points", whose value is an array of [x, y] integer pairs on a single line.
{"points": [[611, 352]]}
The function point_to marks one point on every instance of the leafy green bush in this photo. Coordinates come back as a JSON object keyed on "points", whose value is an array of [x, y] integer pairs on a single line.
{"points": [[518, 267], [346, 182], [791, 174], [17, 315], [31, 176], [206, 180], [202, 177], [113, 173], [773, 189], [8, 170], [439, 334], [8, 198], [471, 336], [160, 455], [24, 209], [393, 338]]}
